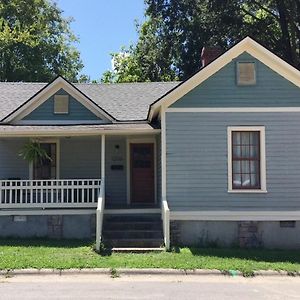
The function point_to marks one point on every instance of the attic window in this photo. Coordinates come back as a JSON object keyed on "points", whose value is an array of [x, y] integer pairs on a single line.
{"points": [[61, 104], [246, 73]]}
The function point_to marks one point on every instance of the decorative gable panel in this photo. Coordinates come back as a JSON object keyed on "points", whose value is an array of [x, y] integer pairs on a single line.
{"points": [[61, 107]]}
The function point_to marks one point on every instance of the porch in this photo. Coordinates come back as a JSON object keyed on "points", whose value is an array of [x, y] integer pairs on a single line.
{"points": [[78, 166], [93, 176]]}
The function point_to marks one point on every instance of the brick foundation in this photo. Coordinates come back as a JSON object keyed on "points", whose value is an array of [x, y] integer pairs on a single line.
{"points": [[248, 235], [55, 226]]}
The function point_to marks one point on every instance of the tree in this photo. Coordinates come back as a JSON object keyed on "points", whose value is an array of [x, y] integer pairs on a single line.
{"points": [[36, 43], [175, 31]]}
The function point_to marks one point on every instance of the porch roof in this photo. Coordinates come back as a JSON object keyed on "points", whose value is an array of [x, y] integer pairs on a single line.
{"points": [[123, 101], [62, 130]]}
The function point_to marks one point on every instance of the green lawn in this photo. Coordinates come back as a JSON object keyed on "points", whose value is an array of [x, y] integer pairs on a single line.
{"points": [[18, 254]]}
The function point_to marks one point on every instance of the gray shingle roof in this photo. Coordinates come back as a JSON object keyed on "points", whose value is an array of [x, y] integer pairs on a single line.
{"points": [[124, 101]]}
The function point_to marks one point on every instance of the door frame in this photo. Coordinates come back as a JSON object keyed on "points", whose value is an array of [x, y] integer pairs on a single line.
{"points": [[48, 141], [129, 141]]}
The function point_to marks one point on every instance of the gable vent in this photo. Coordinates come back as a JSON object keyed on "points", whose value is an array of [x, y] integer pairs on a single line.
{"points": [[61, 104], [246, 73]]}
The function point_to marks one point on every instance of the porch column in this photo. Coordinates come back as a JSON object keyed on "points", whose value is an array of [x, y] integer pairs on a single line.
{"points": [[103, 161], [101, 199]]}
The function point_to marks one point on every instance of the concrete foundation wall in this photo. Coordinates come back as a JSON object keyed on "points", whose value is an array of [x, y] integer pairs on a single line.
{"points": [[65, 226], [267, 234]]}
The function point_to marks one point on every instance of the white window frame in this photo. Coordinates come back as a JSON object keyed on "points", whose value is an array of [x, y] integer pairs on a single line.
{"points": [[61, 98], [263, 186], [239, 83]]}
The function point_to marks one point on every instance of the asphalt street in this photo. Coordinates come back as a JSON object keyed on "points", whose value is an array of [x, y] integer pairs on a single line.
{"points": [[148, 287]]}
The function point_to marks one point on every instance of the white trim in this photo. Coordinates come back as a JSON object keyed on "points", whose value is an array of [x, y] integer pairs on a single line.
{"points": [[261, 129], [87, 132], [163, 155], [130, 211], [45, 212], [235, 215], [150, 140], [103, 162], [232, 109], [50, 90], [55, 141], [59, 122], [246, 45]]}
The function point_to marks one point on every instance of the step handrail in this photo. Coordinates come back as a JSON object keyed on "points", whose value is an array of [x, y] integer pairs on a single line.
{"points": [[166, 223]]}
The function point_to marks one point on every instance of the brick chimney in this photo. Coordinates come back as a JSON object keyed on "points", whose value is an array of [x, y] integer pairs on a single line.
{"points": [[208, 54]]}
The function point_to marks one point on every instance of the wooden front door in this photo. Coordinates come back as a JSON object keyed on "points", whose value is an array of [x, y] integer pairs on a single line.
{"points": [[142, 173]]}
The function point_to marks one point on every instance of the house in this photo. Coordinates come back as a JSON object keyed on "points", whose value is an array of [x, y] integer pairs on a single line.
{"points": [[211, 160]]}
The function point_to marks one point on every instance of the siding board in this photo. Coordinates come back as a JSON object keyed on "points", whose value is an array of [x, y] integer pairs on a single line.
{"points": [[76, 111], [221, 90], [197, 161]]}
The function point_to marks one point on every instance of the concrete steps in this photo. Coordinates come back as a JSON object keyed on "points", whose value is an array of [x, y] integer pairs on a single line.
{"points": [[133, 231]]}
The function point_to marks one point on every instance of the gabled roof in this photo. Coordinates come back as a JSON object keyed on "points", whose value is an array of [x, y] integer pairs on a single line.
{"points": [[122, 101], [246, 45]]}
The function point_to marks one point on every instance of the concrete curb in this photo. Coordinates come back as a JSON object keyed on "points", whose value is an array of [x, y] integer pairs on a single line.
{"points": [[124, 271]]}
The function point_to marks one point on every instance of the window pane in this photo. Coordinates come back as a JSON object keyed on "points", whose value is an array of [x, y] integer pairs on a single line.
{"points": [[245, 152], [254, 167], [246, 159], [245, 166], [236, 151], [236, 167], [253, 152], [236, 138], [237, 180], [245, 180], [254, 180], [254, 138], [245, 137]]}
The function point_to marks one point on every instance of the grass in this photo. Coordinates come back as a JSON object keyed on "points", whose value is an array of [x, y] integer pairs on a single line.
{"points": [[19, 254]]}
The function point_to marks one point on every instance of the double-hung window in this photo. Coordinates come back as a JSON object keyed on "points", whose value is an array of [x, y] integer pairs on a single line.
{"points": [[246, 159]]}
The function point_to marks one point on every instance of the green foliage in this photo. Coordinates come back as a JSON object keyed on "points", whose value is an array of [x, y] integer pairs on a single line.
{"points": [[33, 152], [114, 273], [64, 254], [36, 42], [175, 31]]}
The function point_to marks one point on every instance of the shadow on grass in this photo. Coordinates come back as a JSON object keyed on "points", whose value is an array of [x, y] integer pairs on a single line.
{"points": [[258, 255], [45, 242]]}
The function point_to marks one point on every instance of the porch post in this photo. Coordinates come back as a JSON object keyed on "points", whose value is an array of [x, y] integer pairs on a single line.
{"points": [[103, 160], [165, 207], [101, 199]]}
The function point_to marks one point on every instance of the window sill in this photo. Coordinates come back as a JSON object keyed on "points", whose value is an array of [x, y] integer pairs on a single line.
{"points": [[248, 191]]}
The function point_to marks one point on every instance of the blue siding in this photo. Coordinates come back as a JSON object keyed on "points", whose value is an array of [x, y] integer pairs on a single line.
{"points": [[11, 164], [76, 111], [80, 157], [116, 182], [221, 90], [197, 161]]}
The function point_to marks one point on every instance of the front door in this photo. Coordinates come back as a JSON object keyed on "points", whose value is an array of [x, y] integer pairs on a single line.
{"points": [[142, 173], [46, 168]]}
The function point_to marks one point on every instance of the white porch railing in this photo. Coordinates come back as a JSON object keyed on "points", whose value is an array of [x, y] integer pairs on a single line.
{"points": [[58, 193], [165, 212]]}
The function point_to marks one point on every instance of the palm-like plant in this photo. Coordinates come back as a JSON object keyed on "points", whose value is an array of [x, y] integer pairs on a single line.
{"points": [[33, 152]]}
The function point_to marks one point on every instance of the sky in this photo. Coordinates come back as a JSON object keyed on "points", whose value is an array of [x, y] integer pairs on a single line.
{"points": [[103, 26]]}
